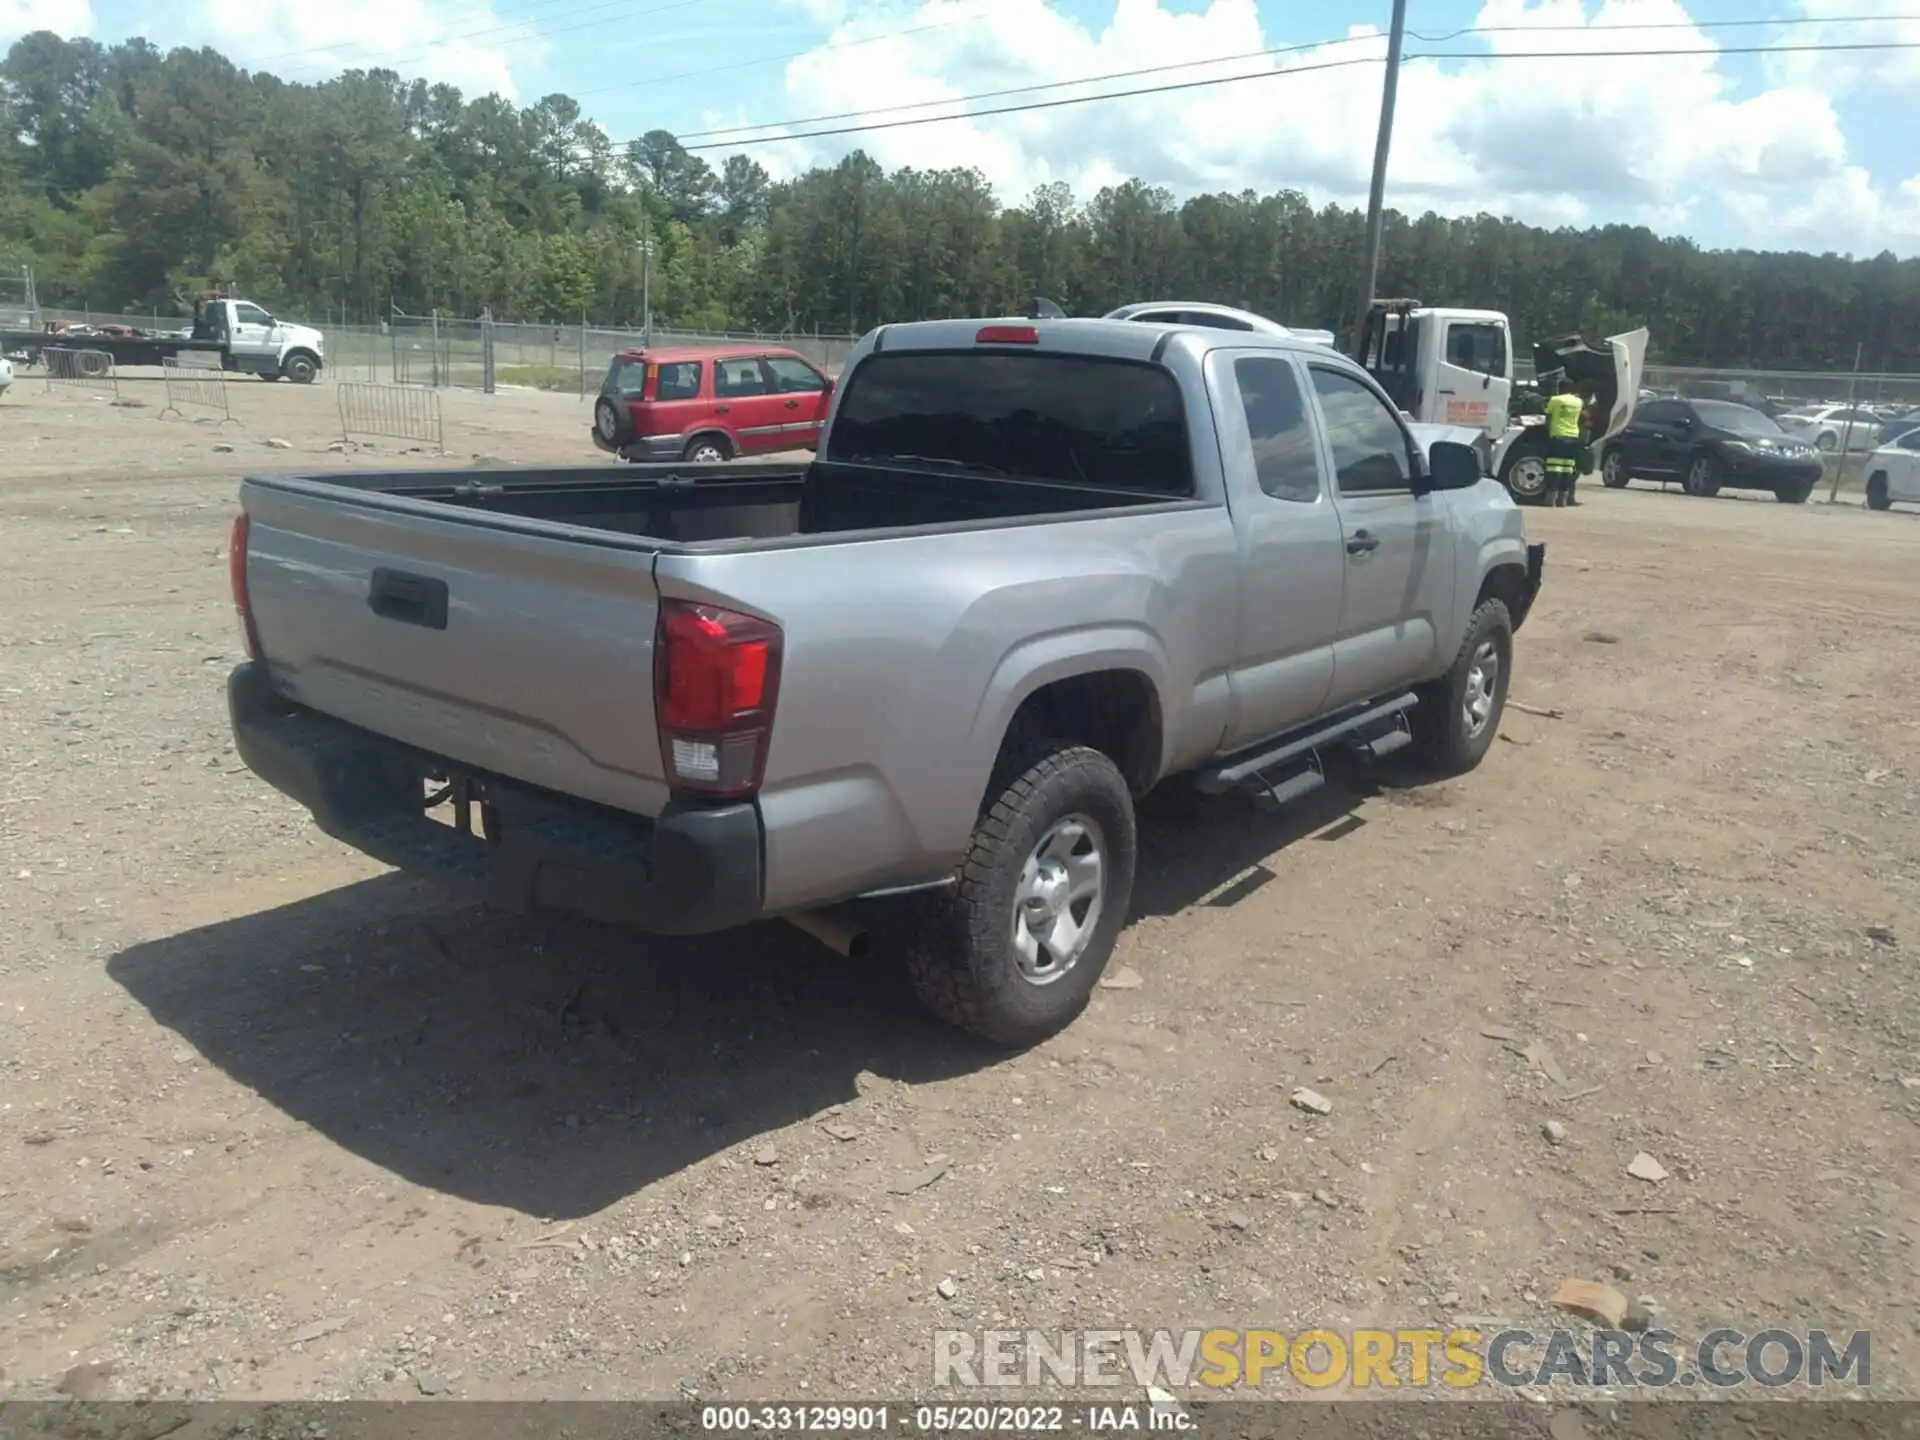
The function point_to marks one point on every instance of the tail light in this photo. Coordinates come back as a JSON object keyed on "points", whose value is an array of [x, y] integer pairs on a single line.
{"points": [[716, 677], [237, 579], [1006, 335]]}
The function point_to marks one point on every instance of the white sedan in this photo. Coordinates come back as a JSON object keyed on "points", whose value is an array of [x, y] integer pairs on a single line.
{"points": [[1828, 426], [1893, 472]]}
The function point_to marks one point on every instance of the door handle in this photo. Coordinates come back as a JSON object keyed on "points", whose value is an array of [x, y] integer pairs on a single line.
{"points": [[721, 409], [1361, 543], [793, 404]]}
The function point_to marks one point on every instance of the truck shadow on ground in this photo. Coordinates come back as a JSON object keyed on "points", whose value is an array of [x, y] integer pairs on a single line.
{"points": [[556, 1066]]}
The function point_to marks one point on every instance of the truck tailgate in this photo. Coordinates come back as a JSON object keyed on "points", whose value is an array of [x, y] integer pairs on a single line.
{"points": [[508, 645]]}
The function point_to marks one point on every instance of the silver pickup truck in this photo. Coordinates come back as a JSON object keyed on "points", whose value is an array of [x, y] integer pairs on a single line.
{"points": [[1037, 568]]}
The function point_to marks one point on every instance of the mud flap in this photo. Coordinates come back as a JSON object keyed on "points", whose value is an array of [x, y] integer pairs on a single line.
{"points": [[1536, 567]]}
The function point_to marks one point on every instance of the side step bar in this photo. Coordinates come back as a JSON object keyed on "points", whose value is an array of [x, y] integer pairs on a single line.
{"points": [[1281, 772]]}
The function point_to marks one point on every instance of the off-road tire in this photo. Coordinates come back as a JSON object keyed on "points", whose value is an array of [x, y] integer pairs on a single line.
{"points": [[1443, 740], [1613, 469], [1879, 497], [961, 959], [1708, 468]]}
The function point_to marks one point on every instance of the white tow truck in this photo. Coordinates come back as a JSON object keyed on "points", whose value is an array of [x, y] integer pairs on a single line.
{"points": [[1446, 366], [237, 335], [1454, 367]]}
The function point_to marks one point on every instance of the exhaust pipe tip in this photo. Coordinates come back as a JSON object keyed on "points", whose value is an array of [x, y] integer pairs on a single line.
{"points": [[841, 936]]}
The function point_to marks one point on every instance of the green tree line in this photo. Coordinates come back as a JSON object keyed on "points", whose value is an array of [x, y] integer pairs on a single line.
{"points": [[132, 178]]}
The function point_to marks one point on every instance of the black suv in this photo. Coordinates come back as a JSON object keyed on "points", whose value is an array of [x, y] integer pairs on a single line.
{"points": [[1709, 445]]}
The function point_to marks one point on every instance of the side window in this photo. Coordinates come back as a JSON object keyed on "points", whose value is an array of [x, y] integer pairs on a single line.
{"points": [[1284, 456], [1910, 440], [1212, 322], [1370, 454], [1660, 412], [1479, 347], [251, 315], [625, 378], [738, 379], [792, 377], [678, 381]]}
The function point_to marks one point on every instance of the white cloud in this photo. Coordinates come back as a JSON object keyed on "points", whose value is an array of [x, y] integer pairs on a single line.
{"points": [[70, 18], [464, 44], [1891, 74], [1665, 140]]}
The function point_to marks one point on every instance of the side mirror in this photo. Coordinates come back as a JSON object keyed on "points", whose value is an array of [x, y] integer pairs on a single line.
{"points": [[1451, 466]]}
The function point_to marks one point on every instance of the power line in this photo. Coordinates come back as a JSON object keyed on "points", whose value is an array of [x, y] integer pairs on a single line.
{"points": [[1258, 55], [1295, 70]]}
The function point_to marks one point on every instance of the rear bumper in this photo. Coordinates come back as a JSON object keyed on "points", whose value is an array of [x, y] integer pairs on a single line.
{"points": [[693, 869], [643, 449], [1536, 571]]}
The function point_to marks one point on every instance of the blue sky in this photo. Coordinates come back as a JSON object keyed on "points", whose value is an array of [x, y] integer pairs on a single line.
{"points": [[1777, 151]]}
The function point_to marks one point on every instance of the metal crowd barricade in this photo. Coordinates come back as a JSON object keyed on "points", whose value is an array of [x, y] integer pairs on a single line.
{"points": [[391, 412], [74, 369], [196, 382]]}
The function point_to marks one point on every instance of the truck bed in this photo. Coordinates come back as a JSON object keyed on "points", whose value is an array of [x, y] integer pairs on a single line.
{"points": [[684, 504], [505, 619]]}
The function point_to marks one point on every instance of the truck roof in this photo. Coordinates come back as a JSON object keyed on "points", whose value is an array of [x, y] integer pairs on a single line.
{"points": [[1118, 339]]}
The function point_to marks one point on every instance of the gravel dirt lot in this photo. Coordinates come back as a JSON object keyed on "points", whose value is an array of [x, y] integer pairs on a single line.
{"points": [[275, 1122]]}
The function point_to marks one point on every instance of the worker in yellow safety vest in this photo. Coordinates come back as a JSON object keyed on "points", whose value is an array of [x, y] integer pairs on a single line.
{"points": [[1564, 413]]}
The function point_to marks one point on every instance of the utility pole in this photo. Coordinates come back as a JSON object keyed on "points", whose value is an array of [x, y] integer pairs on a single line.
{"points": [[1376, 196], [646, 292]]}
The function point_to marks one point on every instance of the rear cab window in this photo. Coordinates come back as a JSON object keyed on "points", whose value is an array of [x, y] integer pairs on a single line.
{"points": [[1063, 419]]}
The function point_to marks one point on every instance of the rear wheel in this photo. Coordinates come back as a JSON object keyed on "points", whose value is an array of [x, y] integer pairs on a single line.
{"points": [[706, 450], [1703, 477], [1459, 714], [1879, 497], [1827, 440], [1014, 953], [1613, 469]]}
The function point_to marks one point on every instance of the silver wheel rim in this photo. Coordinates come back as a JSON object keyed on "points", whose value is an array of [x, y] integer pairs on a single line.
{"points": [[706, 454], [1057, 901], [1528, 476], [1615, 470], [1483, 679], [609, 422], [1697, 477]]}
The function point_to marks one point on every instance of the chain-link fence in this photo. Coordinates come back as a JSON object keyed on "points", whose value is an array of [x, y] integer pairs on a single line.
{"points": [[482, 353], [450, 352]]}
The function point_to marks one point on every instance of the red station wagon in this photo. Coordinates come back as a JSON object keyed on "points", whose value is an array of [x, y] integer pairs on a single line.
{"points": [[709, 402]]}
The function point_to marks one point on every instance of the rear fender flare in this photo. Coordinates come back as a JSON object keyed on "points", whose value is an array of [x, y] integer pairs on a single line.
{"points": [[1040, 662]]}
